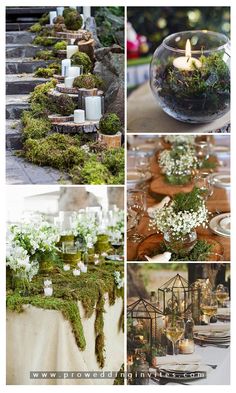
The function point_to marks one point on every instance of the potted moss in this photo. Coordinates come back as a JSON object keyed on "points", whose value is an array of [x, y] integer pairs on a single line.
{"points": [[87, 85], [63, 107], [102, 244], [73, 20], [109, 130]]}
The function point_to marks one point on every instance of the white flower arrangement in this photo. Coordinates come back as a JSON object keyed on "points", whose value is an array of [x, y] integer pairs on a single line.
{"points": [[118, 279], [85, 227], [26, 241], [180, 223], [180, 139], [178, 161]]}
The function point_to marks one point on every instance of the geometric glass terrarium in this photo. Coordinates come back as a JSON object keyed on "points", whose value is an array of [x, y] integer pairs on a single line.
{"points": [[174, 295], [144, 324], [190, 76]]}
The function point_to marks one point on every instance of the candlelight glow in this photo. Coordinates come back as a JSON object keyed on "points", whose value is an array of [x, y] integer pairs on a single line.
{"points": [[188, 49]]}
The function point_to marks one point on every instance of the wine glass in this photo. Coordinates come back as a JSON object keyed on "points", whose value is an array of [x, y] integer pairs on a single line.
{"points": [[174, 330], [116, 242], [142, 165], [209, 305], [222, 294], [136, 206], [203, 182], [202, 151]]}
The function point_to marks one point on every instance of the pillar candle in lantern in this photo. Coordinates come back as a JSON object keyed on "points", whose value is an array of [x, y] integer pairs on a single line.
{"points": [[79, 116], [86, 12], [187, 63], [70, 50], [69, 82], [65, 64], [60, 11], [52, 15], [74, 71], [93, 108]]}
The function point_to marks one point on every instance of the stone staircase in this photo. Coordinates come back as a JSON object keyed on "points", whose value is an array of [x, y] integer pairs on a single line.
{"points": [[20, 67]]}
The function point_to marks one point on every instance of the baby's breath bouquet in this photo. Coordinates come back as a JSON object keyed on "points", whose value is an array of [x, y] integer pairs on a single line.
{"points": [[178, 163], [180, 139]]}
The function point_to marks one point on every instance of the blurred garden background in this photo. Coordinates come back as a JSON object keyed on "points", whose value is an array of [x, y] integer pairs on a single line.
{"points": [[153, 24]]}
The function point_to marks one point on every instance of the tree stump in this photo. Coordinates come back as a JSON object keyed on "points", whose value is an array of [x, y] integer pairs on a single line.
{"points": [[86, 46], [87, 93], [88, 127]]}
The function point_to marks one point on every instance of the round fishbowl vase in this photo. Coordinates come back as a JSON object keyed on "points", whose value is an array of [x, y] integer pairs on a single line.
{"points": [[181, 246], [190, 76]]}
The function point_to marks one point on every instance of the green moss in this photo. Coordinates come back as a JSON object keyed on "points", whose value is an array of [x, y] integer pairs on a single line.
{"points": [[34, 128], [59, 20], [36, 28], [61, 45], [89, 289], [43, 41], [67, 10], [44, 72], [39, 100], [120, 377], [201, 248], [178, 179], [73, 20], [45, 55], [93, 172], [80, 58], [187, 201], [114, 160], [63, 105], [87, 81], [110, 124], [44, 20]]}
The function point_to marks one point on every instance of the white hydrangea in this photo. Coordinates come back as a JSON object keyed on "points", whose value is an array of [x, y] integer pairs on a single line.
{"points": [[180, 139], [180, 163]]}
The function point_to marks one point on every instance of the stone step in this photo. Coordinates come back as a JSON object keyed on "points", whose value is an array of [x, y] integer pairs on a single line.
{"points": [[19, 171], [19, 37], [24, 66], [22, 84], [13, 134], [19, 50], [19, 26], [15, 104]]}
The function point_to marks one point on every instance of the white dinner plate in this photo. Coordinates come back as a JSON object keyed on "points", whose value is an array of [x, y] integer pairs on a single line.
{"points": [[220, 179], [216, 228]]}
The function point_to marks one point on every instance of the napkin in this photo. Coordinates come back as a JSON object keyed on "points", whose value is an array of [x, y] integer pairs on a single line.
{"points": [[182, 363], [151, 210], [165, 257], [223, 328]]}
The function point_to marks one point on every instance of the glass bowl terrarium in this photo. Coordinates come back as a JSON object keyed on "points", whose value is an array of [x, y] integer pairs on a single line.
{"points": [[190, 76]]}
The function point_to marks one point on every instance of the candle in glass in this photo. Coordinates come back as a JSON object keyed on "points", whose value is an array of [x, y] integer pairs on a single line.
{"points": [[93, 108], [65, 65], [86, 12], [69, 82], [74, 71], [70, 50], [60, 11], [186, 346], [52, 15], [79, 116], [187, 63]]}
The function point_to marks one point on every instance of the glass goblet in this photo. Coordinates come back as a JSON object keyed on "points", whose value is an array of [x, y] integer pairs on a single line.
{"points": [[174, 330], [209, 305], [222, 294], [136, 206]]}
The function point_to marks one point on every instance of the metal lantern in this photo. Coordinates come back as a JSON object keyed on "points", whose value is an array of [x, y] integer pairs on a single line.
{"points": [[174, 295], [144, 317]]}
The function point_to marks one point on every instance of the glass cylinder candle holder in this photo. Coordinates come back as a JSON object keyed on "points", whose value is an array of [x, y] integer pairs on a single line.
{"points": [[190, 76], [70, 50], [69, 82], [65, 65], [74, 71], [94, 107]]}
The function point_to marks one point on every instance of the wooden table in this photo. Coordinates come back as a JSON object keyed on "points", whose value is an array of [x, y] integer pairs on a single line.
{"points": [[144, 115], [218, 202]]}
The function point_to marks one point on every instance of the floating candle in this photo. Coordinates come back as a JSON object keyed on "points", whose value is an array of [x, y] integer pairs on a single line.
{"points": [[187, 63]]}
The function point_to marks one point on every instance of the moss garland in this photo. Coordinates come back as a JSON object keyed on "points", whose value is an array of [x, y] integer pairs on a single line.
{"points": [[89, 289]]}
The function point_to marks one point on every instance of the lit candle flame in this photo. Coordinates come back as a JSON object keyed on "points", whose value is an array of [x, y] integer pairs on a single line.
{"points": [[188, 49]]}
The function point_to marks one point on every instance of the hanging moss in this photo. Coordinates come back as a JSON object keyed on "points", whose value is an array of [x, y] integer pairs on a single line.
{"points": [[120, 377], [88, 288]]}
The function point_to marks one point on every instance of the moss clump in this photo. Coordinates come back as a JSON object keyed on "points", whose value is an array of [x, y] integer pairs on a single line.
{"points": [[56, 150], [201, 249], [93, 172], [34, 128], [39, 100], [44, 72], [87, 81], [59, 20], [45, 55], [80, 58], [109, 124], [73, 20], [114, 160], [61, 45], [178, 179], [63, 105], [43, 41], [67, 10], [44, 20], [36, 28]]}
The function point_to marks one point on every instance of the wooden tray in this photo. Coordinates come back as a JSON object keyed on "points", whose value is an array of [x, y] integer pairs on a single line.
{"points": [[151, 242]]}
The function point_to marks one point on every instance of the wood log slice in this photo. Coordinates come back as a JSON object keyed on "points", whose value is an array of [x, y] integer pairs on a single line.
{"points": [[160, 187], [149, 246], [74, 128], [66, 90], [73, 34], [60, 119]]}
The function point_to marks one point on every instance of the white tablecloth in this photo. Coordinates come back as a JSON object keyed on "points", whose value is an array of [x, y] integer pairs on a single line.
{"points": [[42, 340]]}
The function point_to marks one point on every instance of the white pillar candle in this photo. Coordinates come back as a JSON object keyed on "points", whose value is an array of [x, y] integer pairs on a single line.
{"points": [[65, 65], [48, 291], [76, 272], [79, 116], [52, 15], [86, 12], [66, 268], [60, 11], [70, 50], [93, 108], [69, 82], [74, 71], [187, 63]]}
